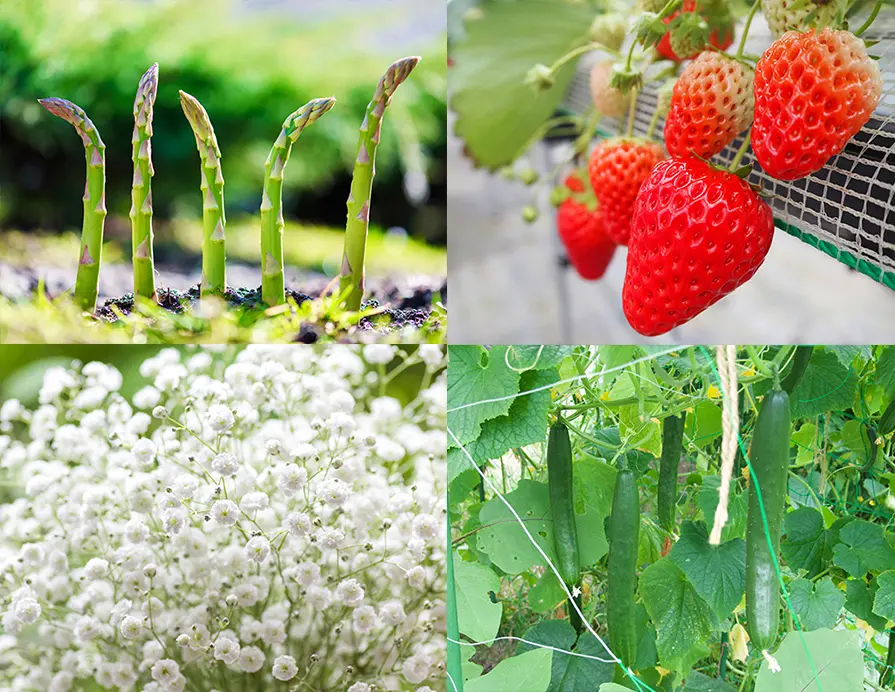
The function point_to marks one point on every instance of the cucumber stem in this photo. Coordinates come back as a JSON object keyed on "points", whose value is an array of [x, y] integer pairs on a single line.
{"points": [[351, 284], [90, 255]]}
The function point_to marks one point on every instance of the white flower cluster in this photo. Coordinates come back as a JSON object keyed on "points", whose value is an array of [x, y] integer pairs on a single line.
{"points": [[266, 518]]}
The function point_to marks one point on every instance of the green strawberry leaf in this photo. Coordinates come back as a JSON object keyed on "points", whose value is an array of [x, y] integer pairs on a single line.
{"points": [[497, 112]]}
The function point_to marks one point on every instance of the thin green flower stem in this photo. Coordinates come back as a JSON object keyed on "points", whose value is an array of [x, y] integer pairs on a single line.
{"points": [[741, 152], [273, 286], [652, 124], [90, 256], [866, 25], [351, 284], [214, 254], [141, 195], [580, 50], [632, 108], [742, 46]]}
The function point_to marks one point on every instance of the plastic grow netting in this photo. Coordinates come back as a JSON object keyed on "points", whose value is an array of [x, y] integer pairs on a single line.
{"points": [[847, 209]]}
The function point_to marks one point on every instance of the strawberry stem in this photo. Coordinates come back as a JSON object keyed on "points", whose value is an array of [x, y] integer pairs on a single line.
{"points": [[580, 50], [741, 151], [742, 45], [866, 25], [632, 108]]}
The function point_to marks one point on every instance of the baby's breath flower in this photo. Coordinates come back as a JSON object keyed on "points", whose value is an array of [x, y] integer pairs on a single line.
{"points": [[220, 418], [147, 554], [258, 548], [284, 668], [130, 627], [225, 512]]}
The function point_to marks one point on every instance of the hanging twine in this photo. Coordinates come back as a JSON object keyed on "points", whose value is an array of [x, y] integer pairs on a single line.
{"points": [[730, 422]]}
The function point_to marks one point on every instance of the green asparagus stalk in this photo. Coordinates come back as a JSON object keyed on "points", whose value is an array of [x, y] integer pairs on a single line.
{"points": [[141, 207], [351, 283], [273, 287], [94, 200], [214, 271]]}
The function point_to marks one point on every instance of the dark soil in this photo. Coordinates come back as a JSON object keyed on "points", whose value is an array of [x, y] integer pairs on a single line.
{"points": [[407, 300], [401, 310]]}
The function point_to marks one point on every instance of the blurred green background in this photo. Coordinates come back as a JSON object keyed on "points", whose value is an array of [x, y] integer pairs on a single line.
{"points": [[22, 368], [250, 63]]}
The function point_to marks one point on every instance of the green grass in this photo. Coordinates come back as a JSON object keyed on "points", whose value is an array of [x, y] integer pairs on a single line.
{"points": [[58, 321], [308, 247]]}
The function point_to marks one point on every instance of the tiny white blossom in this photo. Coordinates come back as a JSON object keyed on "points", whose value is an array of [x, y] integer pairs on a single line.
{"points": [[350, 593], [220, 418], [392, 613], [364, 619], [379, 354], [225, 512], [226, 649], [130, 627], [284, 668], [258, 548], [292, 478], [165, 671], [96, 568], [251, 659], [27, 610], [431, 354], [298, 524], [144, 451], [225, 464], [147, 398]]}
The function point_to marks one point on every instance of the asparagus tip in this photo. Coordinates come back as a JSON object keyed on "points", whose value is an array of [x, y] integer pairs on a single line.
{"points": [[396, 73]]}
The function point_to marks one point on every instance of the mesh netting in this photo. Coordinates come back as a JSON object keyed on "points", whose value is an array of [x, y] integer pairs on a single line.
{"points": [[847, 209]]}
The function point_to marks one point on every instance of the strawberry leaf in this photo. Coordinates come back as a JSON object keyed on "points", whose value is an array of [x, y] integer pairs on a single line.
{"points": [[497, 113]]}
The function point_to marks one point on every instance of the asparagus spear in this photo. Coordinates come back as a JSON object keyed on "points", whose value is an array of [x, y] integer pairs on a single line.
{"points": [[141, 207], [362, 183], [214, 272], [273, 287], [94, 200]]}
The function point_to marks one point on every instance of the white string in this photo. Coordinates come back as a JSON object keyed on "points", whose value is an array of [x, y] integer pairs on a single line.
{"points": [[730, 422]]}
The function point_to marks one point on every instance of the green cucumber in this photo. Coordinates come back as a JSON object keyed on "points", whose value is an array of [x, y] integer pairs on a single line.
{"points": [[770, 464], [562, 503], [799, 365], [672, 443], [887, 420], [623, 531]]}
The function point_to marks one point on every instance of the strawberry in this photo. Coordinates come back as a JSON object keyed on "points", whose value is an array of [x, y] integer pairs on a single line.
{"points": [[617, 169], [813, 92], [697, 234], [581, 229], [711, 104], [720, 25], [783, 15], [609, 102]]}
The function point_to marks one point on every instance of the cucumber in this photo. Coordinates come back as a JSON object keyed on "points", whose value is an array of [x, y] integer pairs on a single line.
{"points": [[623, 531], [672, 439], [799, 365], [887, 420], [562, 503], [770, 463]]}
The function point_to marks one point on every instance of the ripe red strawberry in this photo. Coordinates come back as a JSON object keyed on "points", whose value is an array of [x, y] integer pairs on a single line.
{"points": [[711, 104], [617, 169], [698, 233], [813, 92], [720, 23], [581, 229]]}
